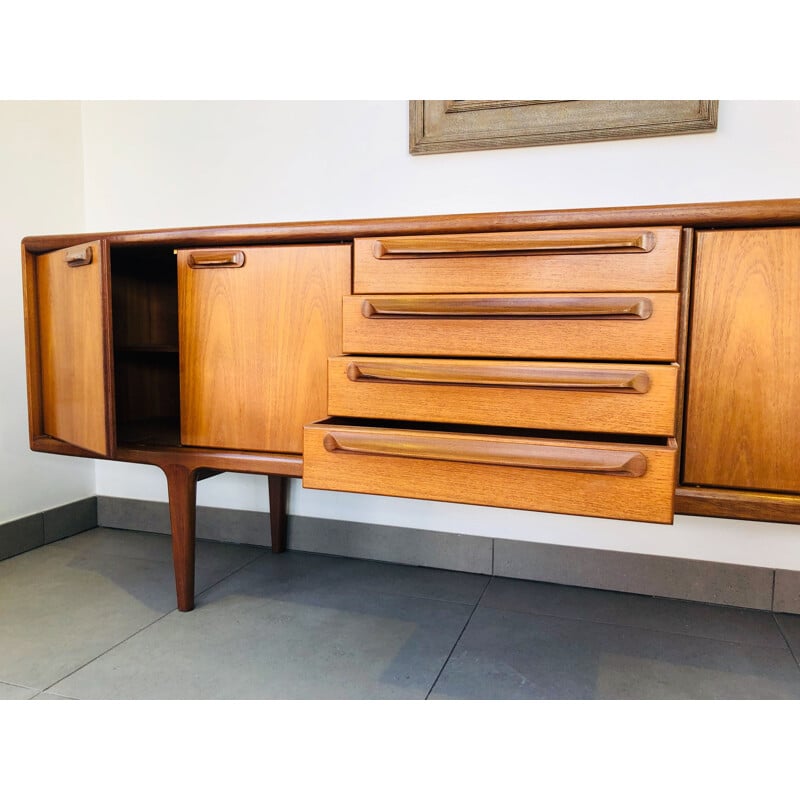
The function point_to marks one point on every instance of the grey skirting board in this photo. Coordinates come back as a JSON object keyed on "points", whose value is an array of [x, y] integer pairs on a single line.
{"points": [[44, 527]]}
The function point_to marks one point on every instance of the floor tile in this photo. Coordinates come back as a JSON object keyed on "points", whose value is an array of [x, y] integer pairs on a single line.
{"points": [[66, 603], [285, 627], [725, 623], [511, 655], [9, 691], [92, 616], [790, 625], [298, 572]]}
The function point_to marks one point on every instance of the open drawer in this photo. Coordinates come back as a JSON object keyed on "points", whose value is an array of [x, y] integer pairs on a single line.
{"points": [[633, 481], [575, 396]]}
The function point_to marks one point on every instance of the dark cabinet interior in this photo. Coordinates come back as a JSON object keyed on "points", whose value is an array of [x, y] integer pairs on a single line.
{"points": [[144, 294]]}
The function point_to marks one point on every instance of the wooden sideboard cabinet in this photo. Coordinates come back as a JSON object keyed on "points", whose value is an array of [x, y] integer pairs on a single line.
{"points": [[625, 363]]}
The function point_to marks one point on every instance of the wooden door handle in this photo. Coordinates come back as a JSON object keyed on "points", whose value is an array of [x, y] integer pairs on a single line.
{"points": [[623, 463], [512, 375], [211, 259], [528, 307], [79, 257], [552, 242]]}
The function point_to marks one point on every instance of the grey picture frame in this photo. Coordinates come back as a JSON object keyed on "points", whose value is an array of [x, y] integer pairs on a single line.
{"points": [[446, 126]]}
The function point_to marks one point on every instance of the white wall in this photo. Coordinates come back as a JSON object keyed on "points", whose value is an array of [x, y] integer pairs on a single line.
{"points": [[169, 164], [41, 191]]}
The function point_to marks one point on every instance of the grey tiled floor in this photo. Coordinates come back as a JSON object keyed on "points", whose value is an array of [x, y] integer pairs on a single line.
{"points": [[93, 617]]}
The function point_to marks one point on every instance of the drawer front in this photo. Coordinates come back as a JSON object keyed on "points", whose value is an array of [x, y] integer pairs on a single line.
{"points": [[633, 482], [609, 326], [599, 260], [605, 398]]}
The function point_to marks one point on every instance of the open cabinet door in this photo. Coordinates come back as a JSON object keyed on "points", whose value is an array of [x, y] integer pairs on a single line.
{"points": [[71, 325]]}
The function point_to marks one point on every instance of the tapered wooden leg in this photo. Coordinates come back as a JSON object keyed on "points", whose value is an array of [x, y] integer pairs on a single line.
{"points": [[182, 488], [277, 511]]}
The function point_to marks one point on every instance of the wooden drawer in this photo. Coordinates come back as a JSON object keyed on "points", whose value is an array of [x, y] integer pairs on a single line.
{"points": [[598, 260], [609, 326], [635, 481], [605, 398]]}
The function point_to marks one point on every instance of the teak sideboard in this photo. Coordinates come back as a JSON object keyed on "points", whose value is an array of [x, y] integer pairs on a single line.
{"points": [[627, 363]]}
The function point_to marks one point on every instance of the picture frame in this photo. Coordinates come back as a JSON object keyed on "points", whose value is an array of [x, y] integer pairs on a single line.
{"points": [[446, 126]]}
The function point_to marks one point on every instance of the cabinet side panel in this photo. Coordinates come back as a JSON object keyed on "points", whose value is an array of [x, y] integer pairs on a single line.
{"points": [[33, 361], [744, 379], [254, 344], [72, 318]]}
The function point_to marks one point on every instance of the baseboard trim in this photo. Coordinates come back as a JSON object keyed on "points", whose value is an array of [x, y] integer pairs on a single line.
{"points": [[662, 576], [737, 585], [44, 527], [334, 537]]}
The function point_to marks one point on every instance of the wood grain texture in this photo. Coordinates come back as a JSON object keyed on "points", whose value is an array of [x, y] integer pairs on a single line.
{"points": [[746, 212], [254, 345], [216, 258], [182, 491], [160, 455], [600, 397], [646, 498], [517, 374], [562, 306], [616, 259], [147, 389], [201, 458], [737, 504], [144, 290], [687, 262], [73, 312], [33, 356], [601, 240], [489, 451], [744, 374], [652, 339], [278, 490]]}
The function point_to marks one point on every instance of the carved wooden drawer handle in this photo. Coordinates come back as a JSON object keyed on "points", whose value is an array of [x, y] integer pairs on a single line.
{"points": [[630, 464], [554, 242], [216, 258], [79, 257], [524, 377], [530, 307]]}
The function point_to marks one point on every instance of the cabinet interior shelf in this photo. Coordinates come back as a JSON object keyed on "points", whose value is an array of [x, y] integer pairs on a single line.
{"points": [[147, 348], [163, 431]]}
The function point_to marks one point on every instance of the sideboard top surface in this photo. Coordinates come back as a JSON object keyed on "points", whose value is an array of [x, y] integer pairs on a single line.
{"points": [[709, 215]]}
